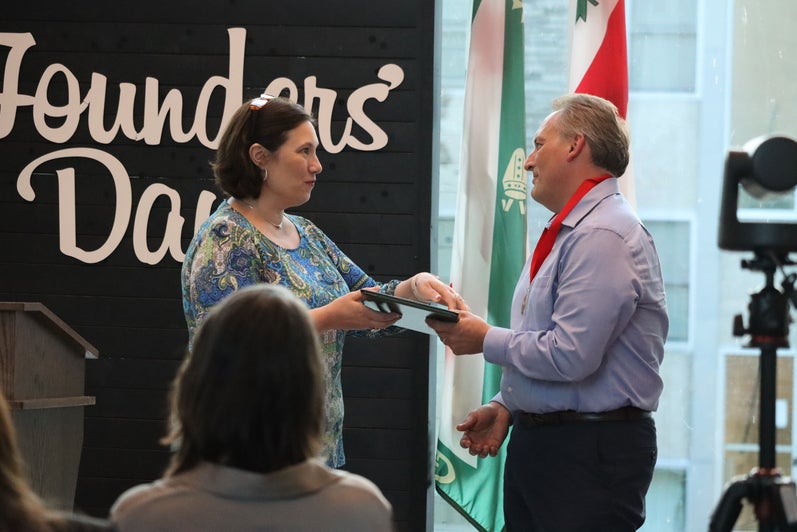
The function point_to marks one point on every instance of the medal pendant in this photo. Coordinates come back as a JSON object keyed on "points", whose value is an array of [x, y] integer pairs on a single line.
{"points": [[525, 300]]}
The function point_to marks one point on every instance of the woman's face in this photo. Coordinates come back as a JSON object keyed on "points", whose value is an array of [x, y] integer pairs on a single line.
{"points": [[292, 169]]}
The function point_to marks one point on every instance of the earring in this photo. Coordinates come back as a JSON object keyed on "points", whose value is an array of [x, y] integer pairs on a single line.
{"points": [[265, 174]]}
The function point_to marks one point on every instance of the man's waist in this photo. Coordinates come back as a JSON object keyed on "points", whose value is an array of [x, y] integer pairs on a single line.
{"points": [[626, 413]]}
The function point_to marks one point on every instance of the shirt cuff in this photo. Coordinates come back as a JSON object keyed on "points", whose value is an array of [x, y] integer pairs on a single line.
{"points": [[495, 345]]}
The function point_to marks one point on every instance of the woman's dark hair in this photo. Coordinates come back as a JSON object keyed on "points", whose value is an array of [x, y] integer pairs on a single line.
{"points": [[250, 393], [268, 125]]}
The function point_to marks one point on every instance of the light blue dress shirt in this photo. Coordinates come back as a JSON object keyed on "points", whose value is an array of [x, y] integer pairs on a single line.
{"points": [[592, 336]]}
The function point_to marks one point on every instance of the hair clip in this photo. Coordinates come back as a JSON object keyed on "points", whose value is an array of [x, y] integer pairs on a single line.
{"points": [[258, 103]]}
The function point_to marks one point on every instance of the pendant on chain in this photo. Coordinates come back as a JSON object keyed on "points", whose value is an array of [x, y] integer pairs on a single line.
{"points": [[525, 300]]}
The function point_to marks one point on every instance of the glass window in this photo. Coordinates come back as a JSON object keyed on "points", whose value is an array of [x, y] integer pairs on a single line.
{"points": [[662, 38], [762, 97], [673, 244]]}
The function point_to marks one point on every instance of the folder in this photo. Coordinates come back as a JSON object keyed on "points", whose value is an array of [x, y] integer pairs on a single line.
{"points": [[413, 313]]}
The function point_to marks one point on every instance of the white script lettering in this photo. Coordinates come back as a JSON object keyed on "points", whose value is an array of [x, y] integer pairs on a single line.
{"points": [[58, 124]]}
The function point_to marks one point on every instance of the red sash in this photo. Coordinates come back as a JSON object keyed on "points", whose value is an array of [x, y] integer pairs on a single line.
{"points": [[548, 237]]}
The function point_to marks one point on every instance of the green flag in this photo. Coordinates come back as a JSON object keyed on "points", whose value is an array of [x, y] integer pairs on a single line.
{"points": [[489, 245]]}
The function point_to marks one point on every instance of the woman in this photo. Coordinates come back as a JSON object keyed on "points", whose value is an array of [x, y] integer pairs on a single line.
{"points": [[266, 163], [244, 460]]}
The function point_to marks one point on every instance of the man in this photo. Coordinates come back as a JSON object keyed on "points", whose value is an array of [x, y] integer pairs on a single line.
{"points": [[581, 358]]}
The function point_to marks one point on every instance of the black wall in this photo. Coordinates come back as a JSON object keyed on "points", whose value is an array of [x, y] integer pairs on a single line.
{"points": [[375, 204]]}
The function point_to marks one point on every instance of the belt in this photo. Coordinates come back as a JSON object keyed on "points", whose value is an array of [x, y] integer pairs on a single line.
{"points": [[626, 413]]}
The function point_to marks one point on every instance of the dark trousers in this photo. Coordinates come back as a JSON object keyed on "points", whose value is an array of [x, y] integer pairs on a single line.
{"points": [[578, 477]]}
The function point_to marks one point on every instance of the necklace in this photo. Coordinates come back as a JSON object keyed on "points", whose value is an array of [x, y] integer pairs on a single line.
{"points": [[277, 226]]}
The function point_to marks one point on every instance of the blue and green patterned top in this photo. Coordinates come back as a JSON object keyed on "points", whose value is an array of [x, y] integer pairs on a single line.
{"points": [[228, 253]]}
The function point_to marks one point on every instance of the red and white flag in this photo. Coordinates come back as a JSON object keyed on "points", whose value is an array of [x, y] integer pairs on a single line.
{"points": [[599, 59]]}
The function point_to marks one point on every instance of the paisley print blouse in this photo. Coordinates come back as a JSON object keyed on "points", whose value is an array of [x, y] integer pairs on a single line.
{"points": [[228, 253]]}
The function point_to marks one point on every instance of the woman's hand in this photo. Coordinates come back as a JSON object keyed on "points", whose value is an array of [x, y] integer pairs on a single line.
{"points": [[349, 313], [427, 287]]}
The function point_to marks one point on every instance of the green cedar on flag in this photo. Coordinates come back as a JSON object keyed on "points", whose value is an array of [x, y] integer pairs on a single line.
{"points": [[489, 245]]}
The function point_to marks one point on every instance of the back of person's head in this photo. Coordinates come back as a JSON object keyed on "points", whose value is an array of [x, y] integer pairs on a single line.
{"points": [[265, 121], [598, 120], [20, 508], [249, 394]]}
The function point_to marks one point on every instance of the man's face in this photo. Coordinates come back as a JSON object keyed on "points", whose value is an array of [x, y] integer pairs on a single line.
{"points": [[548, 162]]}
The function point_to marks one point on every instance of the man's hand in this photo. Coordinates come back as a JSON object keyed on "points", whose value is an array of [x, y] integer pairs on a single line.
{"points": [[466, 337], [485, 429]]}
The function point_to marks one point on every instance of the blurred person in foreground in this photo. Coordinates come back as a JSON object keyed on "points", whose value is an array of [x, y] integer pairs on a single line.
{"points": [[21, 510], [582, 354], [267, 163], [247, 415]]}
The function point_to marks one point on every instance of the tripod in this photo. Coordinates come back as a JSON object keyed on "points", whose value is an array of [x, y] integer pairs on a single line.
{"points": [[773, 496]]}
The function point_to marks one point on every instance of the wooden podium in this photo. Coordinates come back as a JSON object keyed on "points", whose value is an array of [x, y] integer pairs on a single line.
{"points": [[42, 375]]}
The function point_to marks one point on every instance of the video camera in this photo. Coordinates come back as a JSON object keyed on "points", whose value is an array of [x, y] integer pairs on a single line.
{"points": [[766, 166]]}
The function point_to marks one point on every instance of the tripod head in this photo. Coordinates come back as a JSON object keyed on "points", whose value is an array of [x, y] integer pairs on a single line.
{"points": [[769, 308]]}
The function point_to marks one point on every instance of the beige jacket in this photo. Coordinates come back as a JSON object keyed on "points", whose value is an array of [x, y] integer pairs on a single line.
{"points": [[306, 497]]}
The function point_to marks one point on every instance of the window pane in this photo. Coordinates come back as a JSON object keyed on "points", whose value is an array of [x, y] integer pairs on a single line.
{"points": [[662, 46], [665, 513], [651, 69], [672, 243]]}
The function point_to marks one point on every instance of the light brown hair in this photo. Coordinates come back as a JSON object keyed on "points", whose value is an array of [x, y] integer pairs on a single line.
{"points": [[605, 131]]}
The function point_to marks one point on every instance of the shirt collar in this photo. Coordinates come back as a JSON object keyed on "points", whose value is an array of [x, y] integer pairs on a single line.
{"points": [[601, 191]]}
